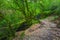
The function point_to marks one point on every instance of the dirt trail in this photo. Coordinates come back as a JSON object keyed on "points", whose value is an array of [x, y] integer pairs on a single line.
{"points": [[47, 30]]}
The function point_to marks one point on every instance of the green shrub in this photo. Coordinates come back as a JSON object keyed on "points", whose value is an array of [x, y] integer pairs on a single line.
{"points": [[15, 13]]}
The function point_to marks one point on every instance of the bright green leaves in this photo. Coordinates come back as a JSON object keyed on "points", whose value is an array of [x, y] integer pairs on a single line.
{"points": [[15, 12], [8, 4], [48, 7]]}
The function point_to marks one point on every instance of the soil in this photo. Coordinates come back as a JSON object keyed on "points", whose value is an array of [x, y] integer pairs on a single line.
{"points": [[46, 30]]}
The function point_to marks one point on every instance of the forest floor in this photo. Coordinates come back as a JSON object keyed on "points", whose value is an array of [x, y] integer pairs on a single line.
{"points": [[46, 30]]}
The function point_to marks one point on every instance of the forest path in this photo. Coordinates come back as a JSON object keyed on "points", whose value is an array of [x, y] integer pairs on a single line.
{"points": [[46, 30]]}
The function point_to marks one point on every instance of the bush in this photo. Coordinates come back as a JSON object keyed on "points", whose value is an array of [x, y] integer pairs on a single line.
{"points": [[16, 13]]}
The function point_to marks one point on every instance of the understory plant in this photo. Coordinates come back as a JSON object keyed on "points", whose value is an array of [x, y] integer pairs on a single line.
{"points": [[21, 14]]}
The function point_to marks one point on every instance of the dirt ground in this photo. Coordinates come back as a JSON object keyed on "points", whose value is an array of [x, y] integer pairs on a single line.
{"points": [[46, 30]]}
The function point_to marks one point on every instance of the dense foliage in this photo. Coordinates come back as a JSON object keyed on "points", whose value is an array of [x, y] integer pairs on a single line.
{"points": [[22, 14]]}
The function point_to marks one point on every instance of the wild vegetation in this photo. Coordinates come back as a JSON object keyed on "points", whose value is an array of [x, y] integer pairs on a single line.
{"points": [[17, 15]]}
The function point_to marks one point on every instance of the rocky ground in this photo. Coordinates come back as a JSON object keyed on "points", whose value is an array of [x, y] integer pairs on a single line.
{"points": [[46, 30]]}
